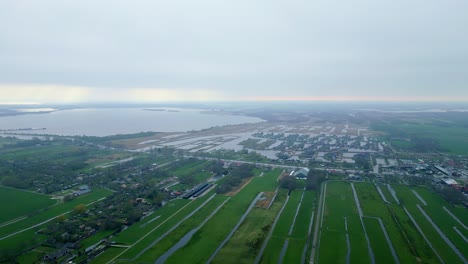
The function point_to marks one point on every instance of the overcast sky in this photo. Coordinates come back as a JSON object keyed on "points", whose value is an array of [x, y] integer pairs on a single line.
{"points": [[205, 50]]}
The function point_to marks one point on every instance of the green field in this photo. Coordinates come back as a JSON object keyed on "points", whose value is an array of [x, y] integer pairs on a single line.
{"points": [[20, 203], [206, 240], [407, 242], [299, 235], [439, 216], [136, 231], [108, 255], [193, 222], [339, 203], [449, 137], [237, 250], [165, 225], [377, 239], [286, 219], [280, 233], [29, 236]]}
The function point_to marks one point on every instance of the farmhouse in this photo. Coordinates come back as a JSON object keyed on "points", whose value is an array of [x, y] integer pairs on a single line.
{"points": [[444, 171], [84, 189], [301, 173], [449, 181]]}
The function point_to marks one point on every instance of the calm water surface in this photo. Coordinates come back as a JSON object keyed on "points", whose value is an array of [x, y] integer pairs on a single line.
{"points": [[104, 122]]}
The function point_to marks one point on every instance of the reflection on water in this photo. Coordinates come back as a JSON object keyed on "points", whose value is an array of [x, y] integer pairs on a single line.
{"points": [[104, 122]]}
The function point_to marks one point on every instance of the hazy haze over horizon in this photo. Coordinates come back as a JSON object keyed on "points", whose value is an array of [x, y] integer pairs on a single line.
{"points": [[144, 51]]}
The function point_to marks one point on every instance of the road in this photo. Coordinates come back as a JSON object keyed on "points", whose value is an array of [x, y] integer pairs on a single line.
{"points": [[279, 165]]}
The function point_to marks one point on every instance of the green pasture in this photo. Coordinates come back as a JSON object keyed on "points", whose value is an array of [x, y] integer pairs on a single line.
{"points": [[339, 203], [107, 255], [137, 230], [162, 228], [408, 244], [287, 216], [29, 238], [237, 250], [409, 200], [17, 203], [206, 240], [53, 211], [378, 242], [193, 222]]}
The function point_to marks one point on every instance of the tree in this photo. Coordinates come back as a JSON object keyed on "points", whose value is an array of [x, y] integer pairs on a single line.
{"points": [[452, 196], [314, 178], [80, 209], [68, 198], [61, 218], [288, 182], [255, 240]]}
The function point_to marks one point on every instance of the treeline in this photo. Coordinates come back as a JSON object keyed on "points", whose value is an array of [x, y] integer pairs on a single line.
{"points": [[315, 178], [235, 177]]}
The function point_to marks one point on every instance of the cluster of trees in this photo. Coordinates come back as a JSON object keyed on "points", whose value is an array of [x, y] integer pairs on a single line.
{"points": [[452, 195], [314, 179], [288, 182], [235, 177], [256, 238], [363, 161]]}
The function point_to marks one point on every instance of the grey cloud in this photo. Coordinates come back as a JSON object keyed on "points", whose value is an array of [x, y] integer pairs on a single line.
{"points": [[277, 48]]}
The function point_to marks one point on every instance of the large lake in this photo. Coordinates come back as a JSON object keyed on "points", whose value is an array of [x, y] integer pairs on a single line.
{"points": [[104, 122]]}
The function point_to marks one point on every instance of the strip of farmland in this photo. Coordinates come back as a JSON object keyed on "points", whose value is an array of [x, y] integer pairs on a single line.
{"points": [[441, 247], [333, 247], [244, 245], [405, 239], [205, 241]]}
